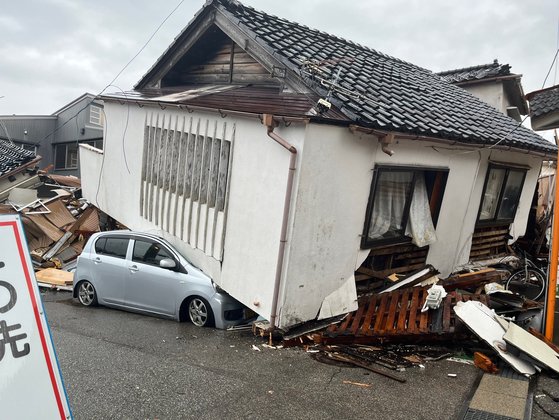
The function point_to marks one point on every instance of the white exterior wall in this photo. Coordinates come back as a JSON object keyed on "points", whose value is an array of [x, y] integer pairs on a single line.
{"points": [[491, 93], [332, 195], [331, 190], [256, 201], [256, 193]]}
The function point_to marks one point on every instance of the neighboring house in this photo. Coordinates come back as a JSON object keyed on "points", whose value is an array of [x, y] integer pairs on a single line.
{"points": [[56, 137], [17, 168], [492, 83], [282, 161], [544, 108]]}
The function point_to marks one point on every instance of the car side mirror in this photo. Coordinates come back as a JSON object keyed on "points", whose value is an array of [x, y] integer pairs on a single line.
{"points": [[167, 263]]}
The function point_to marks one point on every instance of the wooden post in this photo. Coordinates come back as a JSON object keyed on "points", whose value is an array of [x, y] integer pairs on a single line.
{"points": [[554, 260]]}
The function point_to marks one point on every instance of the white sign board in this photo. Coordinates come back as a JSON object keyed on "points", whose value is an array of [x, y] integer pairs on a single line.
{"points": [[31, 385]]}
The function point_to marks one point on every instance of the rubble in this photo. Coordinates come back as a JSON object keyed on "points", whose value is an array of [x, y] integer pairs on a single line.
{"points": [[57, 222], [416, 310]]}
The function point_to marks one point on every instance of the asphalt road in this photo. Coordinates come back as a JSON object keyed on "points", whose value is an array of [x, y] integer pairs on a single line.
{"points": [[123, 365]]}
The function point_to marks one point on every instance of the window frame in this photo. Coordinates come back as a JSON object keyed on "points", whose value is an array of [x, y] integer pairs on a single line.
{"points": [[367, 243], [161, 245], [66, 159], [105, 239], [496, 220], [96, 115]]}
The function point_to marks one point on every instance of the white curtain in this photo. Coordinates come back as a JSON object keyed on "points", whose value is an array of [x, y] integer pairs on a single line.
{"points": [[388, 208], [389, 202], [420, 223]]}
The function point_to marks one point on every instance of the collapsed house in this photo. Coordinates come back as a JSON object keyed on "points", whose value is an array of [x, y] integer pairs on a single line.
{"points": [[56, 220], [289, 164]]}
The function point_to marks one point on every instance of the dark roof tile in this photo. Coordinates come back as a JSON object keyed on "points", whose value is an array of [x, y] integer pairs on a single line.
{"points": [[12, 157], [483, 71], [544, 101]]}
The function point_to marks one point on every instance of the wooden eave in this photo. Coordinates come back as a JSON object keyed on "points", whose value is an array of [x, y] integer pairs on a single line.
{"points": [[212, 15]]}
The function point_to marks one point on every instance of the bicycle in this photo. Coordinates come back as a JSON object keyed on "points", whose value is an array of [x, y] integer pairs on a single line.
{"points": [[528, 281]]}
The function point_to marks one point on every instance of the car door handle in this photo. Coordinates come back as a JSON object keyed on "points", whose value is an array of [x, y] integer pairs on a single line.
{"points": [[97, 260], [133, 268]]}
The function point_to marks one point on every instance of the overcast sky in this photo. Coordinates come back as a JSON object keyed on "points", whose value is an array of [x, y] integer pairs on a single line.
{"points": [[53, 51]]}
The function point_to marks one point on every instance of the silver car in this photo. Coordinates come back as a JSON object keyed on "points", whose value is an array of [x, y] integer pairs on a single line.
{"points": [[143, 273]]}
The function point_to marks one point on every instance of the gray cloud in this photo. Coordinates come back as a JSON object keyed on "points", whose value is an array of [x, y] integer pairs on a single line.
{"points": [[55, 50]]}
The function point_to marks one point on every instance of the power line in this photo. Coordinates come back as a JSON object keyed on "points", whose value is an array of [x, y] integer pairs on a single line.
{"points": [[118, 74]]}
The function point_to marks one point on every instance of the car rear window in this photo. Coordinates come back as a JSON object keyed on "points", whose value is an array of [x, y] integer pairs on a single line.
{"points": [[115, 247], [149, 252]]}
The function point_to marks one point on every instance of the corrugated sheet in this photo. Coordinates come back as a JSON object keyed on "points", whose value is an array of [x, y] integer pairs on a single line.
{"points": [[59, 215], [46, 227], [91, 223]]}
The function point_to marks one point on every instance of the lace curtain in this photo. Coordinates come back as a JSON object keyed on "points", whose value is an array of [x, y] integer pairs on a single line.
{"points": [[389, 204]]}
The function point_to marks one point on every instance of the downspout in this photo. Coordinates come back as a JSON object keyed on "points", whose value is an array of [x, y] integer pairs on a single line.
{"points": [[268, 120]]}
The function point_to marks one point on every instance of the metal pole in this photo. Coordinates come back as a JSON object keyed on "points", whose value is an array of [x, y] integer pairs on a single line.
{"points": [[553, 261]]}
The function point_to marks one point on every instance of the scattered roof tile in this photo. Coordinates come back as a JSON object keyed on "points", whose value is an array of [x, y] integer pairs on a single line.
{"points": [[12, 157], [483, 71]]}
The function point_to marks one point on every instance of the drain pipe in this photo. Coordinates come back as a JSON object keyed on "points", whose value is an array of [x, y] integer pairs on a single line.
{"points": [[268, 120]]}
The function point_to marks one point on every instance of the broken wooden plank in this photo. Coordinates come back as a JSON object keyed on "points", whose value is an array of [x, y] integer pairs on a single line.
{"points": [[54, 276], [349, 360]]}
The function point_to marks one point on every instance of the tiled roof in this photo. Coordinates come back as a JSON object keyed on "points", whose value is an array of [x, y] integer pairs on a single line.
{"points": [[381, 91], [12, 157], [544, 101], [468, 74]]}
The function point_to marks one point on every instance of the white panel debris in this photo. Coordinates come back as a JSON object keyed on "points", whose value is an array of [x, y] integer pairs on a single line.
{"points": [[483, 322]]}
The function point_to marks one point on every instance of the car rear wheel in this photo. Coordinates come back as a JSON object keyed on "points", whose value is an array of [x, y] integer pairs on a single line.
{"points": [[87, 294], [200, 313]]}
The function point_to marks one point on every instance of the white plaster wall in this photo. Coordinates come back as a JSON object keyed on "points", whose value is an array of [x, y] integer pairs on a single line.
{"points": [[332, 182], [332, 194], [333, 189], [119, 189], [258, 178], [491, 93], [256, 200]]}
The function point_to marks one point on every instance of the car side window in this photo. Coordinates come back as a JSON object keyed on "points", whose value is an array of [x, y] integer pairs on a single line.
{"points": [[149, 252], [115, 247]]}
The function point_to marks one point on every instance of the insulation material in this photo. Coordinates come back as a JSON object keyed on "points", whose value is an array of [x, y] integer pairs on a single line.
{"points": [[22, 196], [59, 215]]}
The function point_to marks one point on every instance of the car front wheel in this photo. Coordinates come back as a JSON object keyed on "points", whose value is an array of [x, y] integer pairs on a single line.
{"points": [[87, 294], [200, 312]]}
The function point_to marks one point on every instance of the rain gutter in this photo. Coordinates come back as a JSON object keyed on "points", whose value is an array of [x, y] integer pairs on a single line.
{"points": [[268, 120]]}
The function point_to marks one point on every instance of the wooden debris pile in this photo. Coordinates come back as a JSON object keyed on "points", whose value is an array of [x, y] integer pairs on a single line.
{"points": [[396, 312], [57, 223]]}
